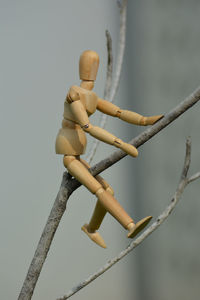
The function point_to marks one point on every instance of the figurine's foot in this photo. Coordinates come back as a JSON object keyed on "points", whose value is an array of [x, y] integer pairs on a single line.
{"points": [[138, 227], [94, 236]]}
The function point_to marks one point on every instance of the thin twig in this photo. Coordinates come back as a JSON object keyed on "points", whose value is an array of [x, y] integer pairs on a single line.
{"points": [[119, 4], [108, 83], [120, 55], [194, 177], [110, 94], [107, 92], [150, 132], [69, 185], [160, 219], [187, 158]]}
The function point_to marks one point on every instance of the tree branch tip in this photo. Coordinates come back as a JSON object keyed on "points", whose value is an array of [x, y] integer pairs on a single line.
{"points": [[188, 138], [119, 4], [108, 36], [107, 33], [193, 177], [188, 149], [189, 141], [109, 46]]}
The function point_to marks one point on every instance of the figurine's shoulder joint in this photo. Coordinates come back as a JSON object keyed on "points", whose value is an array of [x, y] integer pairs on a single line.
{"points": [[73, 94]]}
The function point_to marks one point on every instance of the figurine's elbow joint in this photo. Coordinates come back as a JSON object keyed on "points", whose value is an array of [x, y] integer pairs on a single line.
{"points": [[143, 121], [87, 127], [117, 142], [118, 113]]}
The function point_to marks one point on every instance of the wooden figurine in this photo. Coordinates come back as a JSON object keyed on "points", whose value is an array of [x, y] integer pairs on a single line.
{"points": [[80, 103]]}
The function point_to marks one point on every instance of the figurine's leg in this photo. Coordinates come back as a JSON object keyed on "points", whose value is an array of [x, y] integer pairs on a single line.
{"points": [[80, 172], [99, 211]]}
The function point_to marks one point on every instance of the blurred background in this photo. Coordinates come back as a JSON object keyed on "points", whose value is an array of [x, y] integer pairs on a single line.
{"points": [[41, 42]]}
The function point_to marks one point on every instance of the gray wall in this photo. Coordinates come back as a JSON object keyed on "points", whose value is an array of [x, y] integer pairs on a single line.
{"points": [[40, 45], [164, 70]]}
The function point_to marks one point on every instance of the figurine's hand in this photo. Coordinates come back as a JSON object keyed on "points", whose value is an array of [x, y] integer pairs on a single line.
{"points": [[150, 120], [137, 119], [128, 148]]}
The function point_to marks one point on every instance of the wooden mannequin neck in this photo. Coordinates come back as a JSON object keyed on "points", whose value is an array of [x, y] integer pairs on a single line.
{"points": [[87, 84]]}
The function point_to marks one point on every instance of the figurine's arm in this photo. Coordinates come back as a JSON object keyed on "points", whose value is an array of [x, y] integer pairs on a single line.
{"points": [[128, 116], [80, 113]]}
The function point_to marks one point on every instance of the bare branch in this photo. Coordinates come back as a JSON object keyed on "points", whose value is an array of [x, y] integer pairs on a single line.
{"points": [[46, 238], [108, 84], [120, 56], [107, 91], [150, 132], [194, 177], [187, 158], [119, 3], [160, 219], [111, 94], [69, 185]]}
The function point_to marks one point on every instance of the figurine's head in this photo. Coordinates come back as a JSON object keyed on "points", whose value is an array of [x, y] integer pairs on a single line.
{"points": [[88, 65]]}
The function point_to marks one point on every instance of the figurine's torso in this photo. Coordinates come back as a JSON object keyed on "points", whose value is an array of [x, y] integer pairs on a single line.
{"points": [[71, 139], [87, 98]]}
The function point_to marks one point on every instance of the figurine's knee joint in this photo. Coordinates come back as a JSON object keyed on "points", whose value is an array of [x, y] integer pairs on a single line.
{"points": [[93, 186], [99, 191], [105, 185], [110, 190]]}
